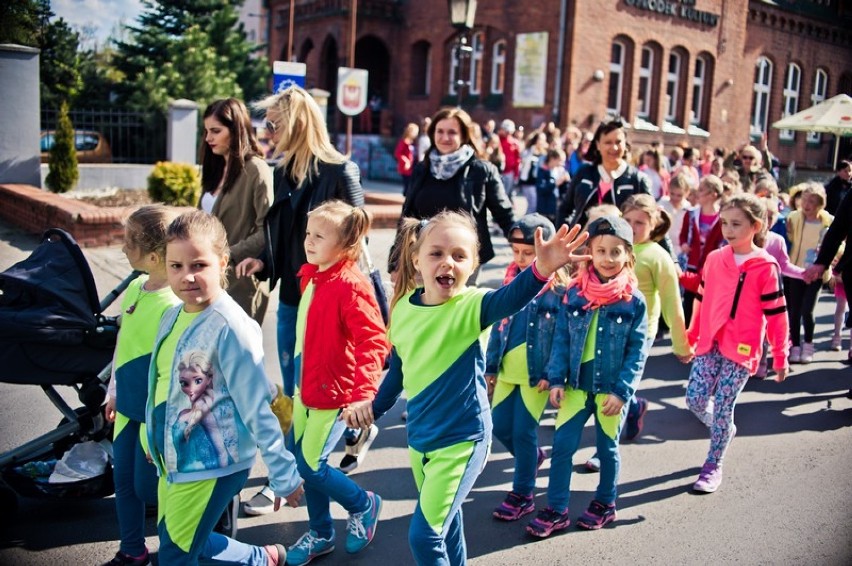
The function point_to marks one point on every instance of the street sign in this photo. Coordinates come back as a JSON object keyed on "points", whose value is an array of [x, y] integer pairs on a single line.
{"points": [[286, 73], [351, 90]]}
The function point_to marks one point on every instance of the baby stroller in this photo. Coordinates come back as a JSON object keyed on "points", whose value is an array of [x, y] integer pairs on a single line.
{"points": [[53, 332]]}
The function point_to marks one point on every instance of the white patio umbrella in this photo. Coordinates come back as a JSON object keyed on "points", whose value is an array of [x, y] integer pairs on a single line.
{"points": [[832, 116]]}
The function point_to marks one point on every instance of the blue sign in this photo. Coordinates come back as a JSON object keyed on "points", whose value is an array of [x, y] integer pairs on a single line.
{"points": [[286, 74]]}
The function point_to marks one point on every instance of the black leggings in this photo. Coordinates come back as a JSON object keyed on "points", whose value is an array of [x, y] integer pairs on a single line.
{"points": [[801, 299]]}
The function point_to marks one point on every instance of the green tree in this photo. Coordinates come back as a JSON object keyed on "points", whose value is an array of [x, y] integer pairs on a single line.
{"points": [[162, 38], [62, 171], [19, 22], [32, 23]]}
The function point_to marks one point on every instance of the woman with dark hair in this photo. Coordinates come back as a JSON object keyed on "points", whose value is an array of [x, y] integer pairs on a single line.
{"points": [[609, 178], [237, 189], [453, 176]]}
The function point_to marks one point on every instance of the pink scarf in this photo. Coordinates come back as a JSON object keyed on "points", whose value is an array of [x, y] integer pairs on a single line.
{"points": [[619, 288]]}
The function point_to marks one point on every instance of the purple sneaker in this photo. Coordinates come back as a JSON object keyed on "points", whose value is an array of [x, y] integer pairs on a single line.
{"points": [[709, 479], [597, 516], [636, 422], [541, 456], [514, 507], [547, 521]]}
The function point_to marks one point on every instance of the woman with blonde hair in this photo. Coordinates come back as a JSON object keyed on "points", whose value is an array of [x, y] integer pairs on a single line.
{"points": [[310, 172]]}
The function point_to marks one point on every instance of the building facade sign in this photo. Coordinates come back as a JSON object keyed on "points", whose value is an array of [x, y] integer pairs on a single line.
{"points": [[530, 78], [683, 9]]}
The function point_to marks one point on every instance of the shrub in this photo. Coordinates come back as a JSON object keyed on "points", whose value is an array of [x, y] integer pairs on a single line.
{"points": [[62, 169], [176, 184]]}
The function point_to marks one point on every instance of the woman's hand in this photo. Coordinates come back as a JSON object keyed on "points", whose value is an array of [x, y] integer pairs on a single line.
{"points": [[358, 415], [612, 405], [556, 396], [559, 250], [248, 267]]}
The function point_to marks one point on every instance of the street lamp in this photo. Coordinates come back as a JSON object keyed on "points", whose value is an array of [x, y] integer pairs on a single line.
{"points": [[462, 13]]}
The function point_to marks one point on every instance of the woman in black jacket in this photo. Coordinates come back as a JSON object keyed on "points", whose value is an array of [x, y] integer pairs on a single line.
{"points": [[607, 179], [453, 177]]}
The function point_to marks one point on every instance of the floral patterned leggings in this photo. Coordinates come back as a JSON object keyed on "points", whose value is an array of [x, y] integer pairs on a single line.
{"points": [[715, 383]]}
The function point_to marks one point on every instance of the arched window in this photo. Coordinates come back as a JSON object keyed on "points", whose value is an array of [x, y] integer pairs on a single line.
{"points": [[477, 49], [700, 83], [421, 68], [760, 102], [673, 86], [792, 84], [646, 82], [820, 88], [454, 70], [618, 56], [498, 67]]}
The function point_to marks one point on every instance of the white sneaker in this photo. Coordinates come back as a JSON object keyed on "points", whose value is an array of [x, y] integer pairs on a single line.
{"points": [[836, 343], [808, 352], [795, 355], [356, 449]]}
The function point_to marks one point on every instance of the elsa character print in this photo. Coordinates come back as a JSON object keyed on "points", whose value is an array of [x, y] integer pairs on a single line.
{"points": [[205, 443]]}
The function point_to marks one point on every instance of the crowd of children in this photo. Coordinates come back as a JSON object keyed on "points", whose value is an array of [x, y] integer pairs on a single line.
{"points": [[572, 326]]}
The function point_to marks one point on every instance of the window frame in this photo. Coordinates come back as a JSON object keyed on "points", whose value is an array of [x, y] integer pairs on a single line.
{"points": [[673, 80], [646, 73], [762, 96], [699, 90], [477, 57], [618, 69], [498, 67], [817, 97], [791, 94]]}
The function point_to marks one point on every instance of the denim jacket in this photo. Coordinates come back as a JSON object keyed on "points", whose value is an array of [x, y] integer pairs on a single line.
{"points": [[541, 315], [620, 347]]}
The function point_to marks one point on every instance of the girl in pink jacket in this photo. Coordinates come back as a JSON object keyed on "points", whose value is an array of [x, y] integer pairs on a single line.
{"points": [[733, 311]]}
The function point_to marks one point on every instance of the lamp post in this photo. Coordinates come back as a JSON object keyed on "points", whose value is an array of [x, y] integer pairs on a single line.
{"points": [[462, 13]]}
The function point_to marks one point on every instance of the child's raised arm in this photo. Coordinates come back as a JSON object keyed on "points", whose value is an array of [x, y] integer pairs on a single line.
{"points": [[559, 250]]}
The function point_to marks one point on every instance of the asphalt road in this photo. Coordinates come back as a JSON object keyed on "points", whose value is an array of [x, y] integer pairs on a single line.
{"points": [[785, 498]]}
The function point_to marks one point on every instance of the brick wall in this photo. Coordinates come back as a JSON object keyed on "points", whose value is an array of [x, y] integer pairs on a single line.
{"points": [[36, 210]]}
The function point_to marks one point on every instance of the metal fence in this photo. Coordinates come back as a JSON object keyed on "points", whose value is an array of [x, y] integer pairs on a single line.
{"points": [[134, 137]]}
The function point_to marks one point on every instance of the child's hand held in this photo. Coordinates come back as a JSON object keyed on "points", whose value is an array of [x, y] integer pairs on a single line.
{"points": [[612, 405], [542, 385], [556, 396], [780, 375]]}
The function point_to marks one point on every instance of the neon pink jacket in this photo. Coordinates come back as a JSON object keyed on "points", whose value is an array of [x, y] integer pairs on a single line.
{"points": [[738, 307]]}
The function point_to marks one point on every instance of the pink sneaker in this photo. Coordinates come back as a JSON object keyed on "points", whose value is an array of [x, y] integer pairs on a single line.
{"points": [[709, 479], [514, 507]]}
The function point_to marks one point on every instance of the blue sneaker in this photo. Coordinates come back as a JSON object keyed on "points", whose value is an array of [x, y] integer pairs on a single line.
{"points": [[308, 547], [362, 526]]}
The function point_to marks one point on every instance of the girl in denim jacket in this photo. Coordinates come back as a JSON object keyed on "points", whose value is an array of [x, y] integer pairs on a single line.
{"points": [[595, 365], [514, 365]]}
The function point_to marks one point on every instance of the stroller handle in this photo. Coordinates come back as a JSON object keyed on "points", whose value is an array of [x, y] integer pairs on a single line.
{"points": [[113, 295]]}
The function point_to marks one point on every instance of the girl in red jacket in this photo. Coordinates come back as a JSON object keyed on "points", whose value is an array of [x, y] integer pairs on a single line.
{"points": [[340, 351], [733, 310]]}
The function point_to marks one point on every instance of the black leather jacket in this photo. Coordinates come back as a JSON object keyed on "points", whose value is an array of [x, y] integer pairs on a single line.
{"points": [[580, 194], [481, 190], [287, 220]]}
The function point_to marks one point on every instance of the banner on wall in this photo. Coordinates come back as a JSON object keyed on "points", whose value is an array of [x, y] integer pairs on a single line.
{"points": [[530, 77], [351, 90]]}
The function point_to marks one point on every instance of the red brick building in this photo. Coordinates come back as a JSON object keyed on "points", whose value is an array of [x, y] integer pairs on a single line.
{"points": [[692, 72]]}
